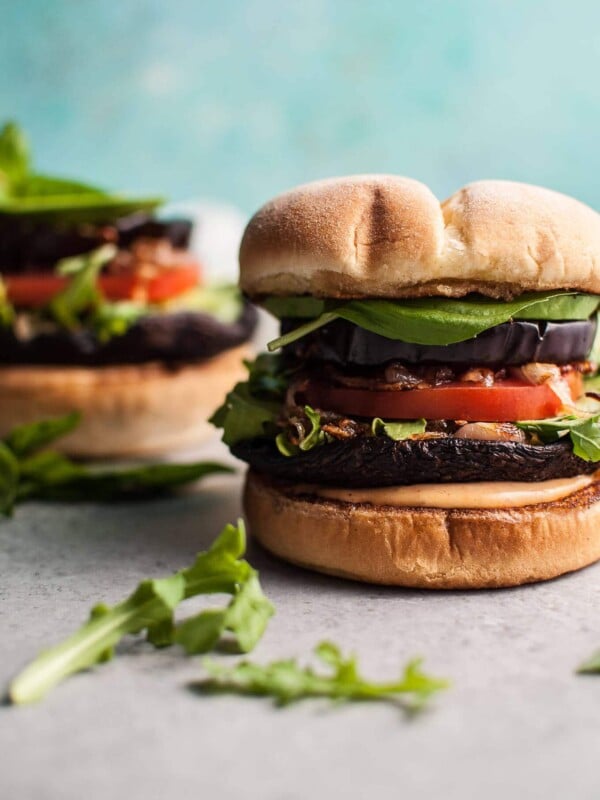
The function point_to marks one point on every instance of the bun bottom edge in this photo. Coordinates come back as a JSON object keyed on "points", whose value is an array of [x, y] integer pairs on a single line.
{"points": [[425, 548], [129, 411]]}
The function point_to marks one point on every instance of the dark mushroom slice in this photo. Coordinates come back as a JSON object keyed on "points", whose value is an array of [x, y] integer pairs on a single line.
{"points": [[512, 343], [378, 461], [169, 338]]}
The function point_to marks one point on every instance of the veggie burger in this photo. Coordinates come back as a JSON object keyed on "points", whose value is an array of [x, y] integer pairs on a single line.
{"points": [[104, 311], [428, 416]]}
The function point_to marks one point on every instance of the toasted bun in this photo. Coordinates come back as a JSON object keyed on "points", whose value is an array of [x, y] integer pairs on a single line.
{"points": [[388, 236], [127, 411], [423, 547]]}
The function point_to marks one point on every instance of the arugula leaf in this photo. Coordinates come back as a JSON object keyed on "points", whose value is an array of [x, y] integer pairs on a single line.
{"points": [[81, 292], [287, 682], [26, 439], [246, 618], [398, 430], [150, 608], [586, 440], [115, 319], [7, 311], [583, 431], [590, 666], [315, 437], [222, 301], [26, 473], [443, 321], [61, 479], [9, 479]]}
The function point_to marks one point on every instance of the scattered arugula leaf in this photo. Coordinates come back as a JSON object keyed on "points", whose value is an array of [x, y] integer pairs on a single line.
{"points": [[287, 681], [27, 471], [438, 320], [591, 666], [398, 431], [584, 433], [151, 608], [24, 440]]}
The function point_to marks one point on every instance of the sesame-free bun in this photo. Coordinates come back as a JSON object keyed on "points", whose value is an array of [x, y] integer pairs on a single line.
{"points": [[389, 236], [127, 411], [425, 548]]}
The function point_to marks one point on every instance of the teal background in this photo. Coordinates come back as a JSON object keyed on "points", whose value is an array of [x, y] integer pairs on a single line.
{"points": [[239, 100]]}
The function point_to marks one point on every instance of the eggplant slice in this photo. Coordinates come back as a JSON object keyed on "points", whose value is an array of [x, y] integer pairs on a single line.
{"points": [[509, 344], [378, 461], [170, 338]]}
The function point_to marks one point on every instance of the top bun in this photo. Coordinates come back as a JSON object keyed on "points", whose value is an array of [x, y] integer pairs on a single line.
{"points": [[388, 236]]}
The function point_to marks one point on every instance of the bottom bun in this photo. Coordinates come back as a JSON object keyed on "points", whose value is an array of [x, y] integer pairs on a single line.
{"points": [[127, 411], [425, 548]]}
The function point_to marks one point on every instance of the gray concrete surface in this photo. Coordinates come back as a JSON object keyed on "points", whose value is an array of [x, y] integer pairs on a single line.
{"points": [[517, 722]]}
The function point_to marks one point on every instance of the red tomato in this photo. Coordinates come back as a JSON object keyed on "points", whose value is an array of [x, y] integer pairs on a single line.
{"points": [[37, 289], [506, 401]]}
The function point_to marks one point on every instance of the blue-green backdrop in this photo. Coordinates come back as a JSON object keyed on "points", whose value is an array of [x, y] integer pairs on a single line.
{"points": [[239, 99]]}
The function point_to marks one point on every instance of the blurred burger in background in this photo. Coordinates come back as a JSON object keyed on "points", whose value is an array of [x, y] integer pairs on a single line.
{"points": [[104, 310]]}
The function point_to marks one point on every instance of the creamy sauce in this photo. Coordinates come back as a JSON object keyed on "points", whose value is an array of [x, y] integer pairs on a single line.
{"points": [[501, 494]]}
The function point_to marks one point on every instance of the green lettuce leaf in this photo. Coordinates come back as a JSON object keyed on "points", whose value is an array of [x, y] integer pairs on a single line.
{"points": [[584, 433], [443, 321], [151, 608], [398, 431], [287, 681], [244, 416]]}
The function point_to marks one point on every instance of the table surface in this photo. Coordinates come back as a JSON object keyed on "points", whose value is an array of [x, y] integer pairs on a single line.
{"points": [[516, 723]]}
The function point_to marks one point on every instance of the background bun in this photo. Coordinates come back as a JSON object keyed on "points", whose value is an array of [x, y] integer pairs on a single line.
{"points": [[127, 411], [388, 236], [423, 547]]}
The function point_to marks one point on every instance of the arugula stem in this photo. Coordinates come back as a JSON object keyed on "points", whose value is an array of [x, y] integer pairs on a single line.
{"points": [[302, 330]]}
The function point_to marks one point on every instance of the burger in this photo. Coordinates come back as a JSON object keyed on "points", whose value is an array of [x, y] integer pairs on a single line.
{"points": [[104, 311], [428, 416]]}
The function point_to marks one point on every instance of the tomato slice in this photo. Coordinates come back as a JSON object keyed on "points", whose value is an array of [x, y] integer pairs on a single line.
{"points": [[37, 289], [506, 401]]}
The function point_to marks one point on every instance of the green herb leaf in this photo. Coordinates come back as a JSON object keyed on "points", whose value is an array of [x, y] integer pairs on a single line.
{"points": [[443, 321], [398, 431], [246, 618], [9, 479], [244, 416], [82, 292], [287, 681], [26, 473], [23, 192], [315, 437], [586, 440], [7, 311], [71, 482], [14, 157], [151, 607], [584, 433], [222, 301], [27, 439], [590, 666]]}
